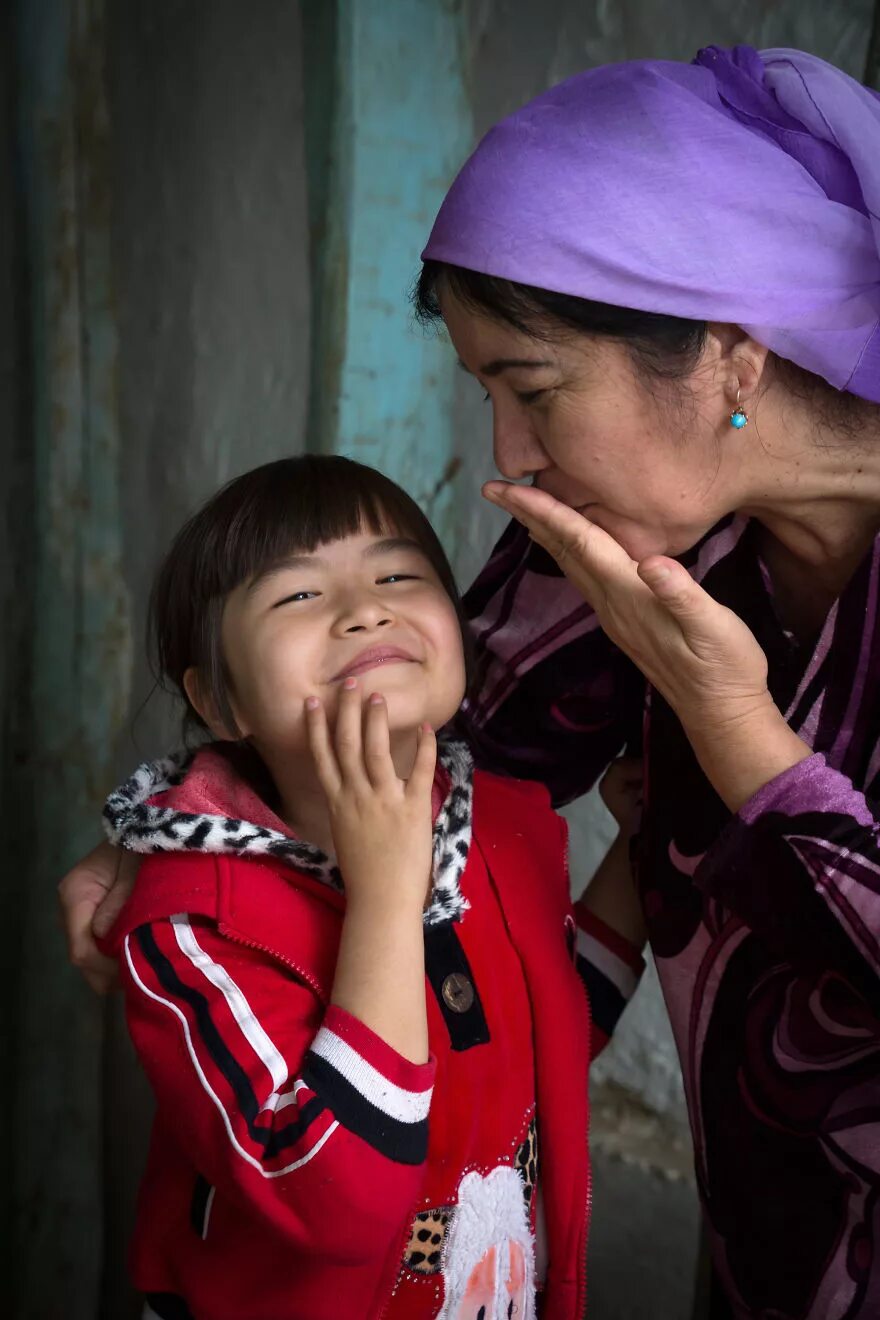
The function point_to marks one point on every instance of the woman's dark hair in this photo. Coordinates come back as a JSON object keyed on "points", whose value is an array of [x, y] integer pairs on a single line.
{"points": [[256, 521], [665, 346], [661, 347]]}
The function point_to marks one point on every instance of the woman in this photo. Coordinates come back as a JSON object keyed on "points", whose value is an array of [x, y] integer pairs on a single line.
{"points": [[667, 279]]}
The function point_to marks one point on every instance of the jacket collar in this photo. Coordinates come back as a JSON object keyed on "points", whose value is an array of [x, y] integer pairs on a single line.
{"points": [[198, 802]]}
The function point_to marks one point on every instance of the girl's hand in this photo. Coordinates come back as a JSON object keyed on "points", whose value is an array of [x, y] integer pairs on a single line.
{"points": [[621, 791], [381, 824], [698, 654]]}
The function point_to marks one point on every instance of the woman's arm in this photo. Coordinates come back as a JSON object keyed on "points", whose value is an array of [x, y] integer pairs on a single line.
{"points": [[799, 861], [800, 864]]}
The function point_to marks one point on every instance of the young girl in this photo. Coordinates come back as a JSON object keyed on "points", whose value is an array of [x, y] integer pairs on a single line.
{"points": [[348, 960]]}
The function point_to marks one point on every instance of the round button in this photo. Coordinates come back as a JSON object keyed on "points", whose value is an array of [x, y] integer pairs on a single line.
{"points": [[458, 992]]}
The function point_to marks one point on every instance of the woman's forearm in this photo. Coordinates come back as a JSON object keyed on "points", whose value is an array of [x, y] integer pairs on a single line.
{"points": [[742, 749]]}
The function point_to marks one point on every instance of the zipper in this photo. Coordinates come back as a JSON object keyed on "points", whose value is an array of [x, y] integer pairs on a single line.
{"points": [[588, 1209], [301, 974], [391, 1294], [588, 1214]]}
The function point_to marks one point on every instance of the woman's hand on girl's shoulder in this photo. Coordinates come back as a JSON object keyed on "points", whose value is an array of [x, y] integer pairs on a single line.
{"points": [[90, 898], [381, 824]]}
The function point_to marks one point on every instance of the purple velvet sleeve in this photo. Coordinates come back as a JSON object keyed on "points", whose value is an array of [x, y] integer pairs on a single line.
{"points": [[800, 864]]}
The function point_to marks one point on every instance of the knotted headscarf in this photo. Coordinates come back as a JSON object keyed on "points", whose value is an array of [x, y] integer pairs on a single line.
{"points": [[744, 188]]}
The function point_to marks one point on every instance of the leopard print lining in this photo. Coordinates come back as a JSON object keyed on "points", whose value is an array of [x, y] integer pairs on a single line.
{"points": [[424, 1249], [526, 1162], [132, 821]]}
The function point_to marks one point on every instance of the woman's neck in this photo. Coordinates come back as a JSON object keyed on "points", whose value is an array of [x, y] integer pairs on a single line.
{"points": [[819, 502]]}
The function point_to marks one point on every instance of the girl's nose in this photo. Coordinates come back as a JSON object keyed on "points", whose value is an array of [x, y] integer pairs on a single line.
{"points": [[364, 614]]}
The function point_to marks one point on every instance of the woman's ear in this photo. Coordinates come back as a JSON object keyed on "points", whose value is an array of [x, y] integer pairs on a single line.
{"points": [[738, 359], [205, 706]]}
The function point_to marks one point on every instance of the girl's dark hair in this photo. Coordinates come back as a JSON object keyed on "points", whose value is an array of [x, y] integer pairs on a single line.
{"points": [[256, 521], [661, 347]]}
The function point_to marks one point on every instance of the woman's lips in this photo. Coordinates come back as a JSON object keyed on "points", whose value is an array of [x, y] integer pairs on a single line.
{"points": [[373, 658]]}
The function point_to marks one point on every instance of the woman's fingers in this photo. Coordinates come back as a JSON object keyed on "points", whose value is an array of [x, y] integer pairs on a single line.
{"points": [[323, 755], [704, 624], [127, 867], [80, 895], [377, 743], [587, 554], [422, 777]]}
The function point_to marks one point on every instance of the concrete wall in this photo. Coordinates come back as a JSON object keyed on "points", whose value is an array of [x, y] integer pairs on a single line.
{"points": [[212, 274]]}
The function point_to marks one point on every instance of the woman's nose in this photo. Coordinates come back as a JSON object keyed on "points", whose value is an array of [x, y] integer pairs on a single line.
{"points": [[518, 451]]}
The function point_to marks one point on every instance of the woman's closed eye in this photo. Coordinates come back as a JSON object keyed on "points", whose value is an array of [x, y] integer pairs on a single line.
{"points": [[524, 396]]}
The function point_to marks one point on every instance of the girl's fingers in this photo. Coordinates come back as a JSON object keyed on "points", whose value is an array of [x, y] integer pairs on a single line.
{"points": [[422, 777], [323, 755], [349, 740], [377, 743]]}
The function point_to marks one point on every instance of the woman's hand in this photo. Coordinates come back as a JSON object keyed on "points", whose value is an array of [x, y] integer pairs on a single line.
{"points": [[90, 897], [699, 655]]}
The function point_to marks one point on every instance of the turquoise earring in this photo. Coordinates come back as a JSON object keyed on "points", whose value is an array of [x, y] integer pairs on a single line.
{"points": [[739, 417]]}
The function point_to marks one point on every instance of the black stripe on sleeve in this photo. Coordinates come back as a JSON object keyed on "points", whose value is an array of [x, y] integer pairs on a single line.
{"points": [[405, 1143], [273, 1141], [606, 1001]]}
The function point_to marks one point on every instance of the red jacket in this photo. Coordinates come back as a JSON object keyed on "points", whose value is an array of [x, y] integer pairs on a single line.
{"points": [[300, 1167]]}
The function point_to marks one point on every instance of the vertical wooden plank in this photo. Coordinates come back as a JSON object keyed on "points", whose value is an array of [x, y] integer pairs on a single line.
{"points": [[388, 124], [872, 61], [82, 640]]}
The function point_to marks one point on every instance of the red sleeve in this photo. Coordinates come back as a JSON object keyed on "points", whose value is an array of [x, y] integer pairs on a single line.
{"points": [[303, 1116], [610, 968]]}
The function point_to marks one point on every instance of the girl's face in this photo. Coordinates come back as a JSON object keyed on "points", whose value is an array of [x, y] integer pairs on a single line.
{"points": [[366, 605], [573, 415]]}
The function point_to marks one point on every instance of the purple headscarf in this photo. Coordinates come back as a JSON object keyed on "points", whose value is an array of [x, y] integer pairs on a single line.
{"points": [[744, 187]]}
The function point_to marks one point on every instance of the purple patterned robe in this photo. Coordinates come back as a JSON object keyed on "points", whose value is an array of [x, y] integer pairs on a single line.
{"points": [[765, 926]]}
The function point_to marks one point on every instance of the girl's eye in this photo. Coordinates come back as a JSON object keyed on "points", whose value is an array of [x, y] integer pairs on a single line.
{"points": [[295, 596], [398, 577]]}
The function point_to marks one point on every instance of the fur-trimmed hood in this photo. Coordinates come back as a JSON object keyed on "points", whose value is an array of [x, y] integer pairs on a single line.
{"points": [[197, 802]]}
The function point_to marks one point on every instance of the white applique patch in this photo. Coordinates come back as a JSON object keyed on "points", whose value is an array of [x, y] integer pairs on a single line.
{"points": [[489, 1251]]}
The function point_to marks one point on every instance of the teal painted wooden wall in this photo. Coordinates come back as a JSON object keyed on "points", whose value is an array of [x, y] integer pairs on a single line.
{"points": [[382, 146]]}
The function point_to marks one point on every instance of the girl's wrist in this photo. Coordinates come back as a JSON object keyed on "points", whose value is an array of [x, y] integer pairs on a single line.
{"points": [[387, 904]]}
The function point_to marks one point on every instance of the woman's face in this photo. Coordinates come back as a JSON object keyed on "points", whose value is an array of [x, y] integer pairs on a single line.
{"points": [[573, 414]]}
